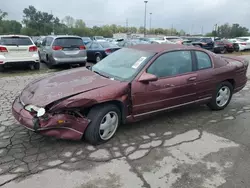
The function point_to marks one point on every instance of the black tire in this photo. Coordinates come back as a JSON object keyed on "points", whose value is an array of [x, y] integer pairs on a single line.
{"points": [[48, 63], [82, 64], [37, 66], [96, 58], [96, 115], [223, 51], [40, 59], [1, 68], [213, 103]]}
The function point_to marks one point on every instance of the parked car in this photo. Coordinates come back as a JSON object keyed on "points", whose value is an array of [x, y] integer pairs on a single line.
{"points": [[129, 85], [219, 47], [230, 47], [245, 42], [133, 42], [96, 51], [63, 50], [18, 50], [187, 42], [174, 39], [86, 40], [99, 38], [202, 42], [239, 44]]}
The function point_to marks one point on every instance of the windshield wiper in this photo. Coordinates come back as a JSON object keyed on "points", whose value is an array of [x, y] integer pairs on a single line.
{"points": [[100, 74]]}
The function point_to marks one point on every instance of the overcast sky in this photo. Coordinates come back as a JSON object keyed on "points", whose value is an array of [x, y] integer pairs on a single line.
{"points": [[189, 15]]}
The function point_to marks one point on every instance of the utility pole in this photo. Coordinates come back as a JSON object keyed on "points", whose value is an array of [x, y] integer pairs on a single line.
{"points": [[53, 29], [172, 28], [202, 30], [145, 18], [127, 25], [150, 21]]}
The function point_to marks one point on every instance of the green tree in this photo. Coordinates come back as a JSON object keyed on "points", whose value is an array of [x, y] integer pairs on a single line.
{"points": [[69, 21], [2, 15], [80, 23]]}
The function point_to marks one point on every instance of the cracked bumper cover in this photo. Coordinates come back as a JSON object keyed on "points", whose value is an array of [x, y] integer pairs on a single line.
{"points": [[73, 128]]}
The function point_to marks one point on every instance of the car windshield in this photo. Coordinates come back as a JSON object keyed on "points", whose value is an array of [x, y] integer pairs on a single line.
{"points": [[99, 37], [15, 41], [68, 42], [123, 64], [86, 39], [242, 39], [108, 45]]}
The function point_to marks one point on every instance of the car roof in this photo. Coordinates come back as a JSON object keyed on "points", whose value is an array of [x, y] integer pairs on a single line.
{"points": [[61, 36], [14, 36], [157, 48]]}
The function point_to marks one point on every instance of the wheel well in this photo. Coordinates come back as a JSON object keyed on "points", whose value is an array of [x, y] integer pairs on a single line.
{"points": [[231, 81], [119, 104]]}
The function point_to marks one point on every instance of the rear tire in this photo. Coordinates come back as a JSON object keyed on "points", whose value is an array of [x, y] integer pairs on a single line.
{"points": [[94, 134], [1, 68], [98, 58], [37, 66], [82, 64], [221, 97], [48, 63], [223, 51]]}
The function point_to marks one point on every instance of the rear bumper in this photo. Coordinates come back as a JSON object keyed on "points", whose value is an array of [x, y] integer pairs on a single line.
{"points": [[19, 60], [73, 128], [61, 61]]}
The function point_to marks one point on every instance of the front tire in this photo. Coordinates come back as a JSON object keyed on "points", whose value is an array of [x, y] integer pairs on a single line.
{"points": [[222, 96], [105, 120]]}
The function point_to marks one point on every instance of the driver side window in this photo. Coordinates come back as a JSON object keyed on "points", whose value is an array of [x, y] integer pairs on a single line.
{"points": [[171, 64]]}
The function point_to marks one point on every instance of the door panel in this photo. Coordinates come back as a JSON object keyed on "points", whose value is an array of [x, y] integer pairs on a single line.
{"points": [[175, 85], [205, 82], [164, 93]]}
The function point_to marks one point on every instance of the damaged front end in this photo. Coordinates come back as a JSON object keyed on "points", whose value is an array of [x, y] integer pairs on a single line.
{"points": [[63, 124]]}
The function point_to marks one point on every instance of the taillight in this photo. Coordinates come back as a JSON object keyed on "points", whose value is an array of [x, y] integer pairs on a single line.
{"points": [[3, 49], [108, 51], [82, 47], [56, 48], [243, 43], [33, 49]]}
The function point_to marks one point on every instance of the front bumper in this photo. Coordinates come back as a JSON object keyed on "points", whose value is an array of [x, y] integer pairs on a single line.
{"points": [[72, 127]]}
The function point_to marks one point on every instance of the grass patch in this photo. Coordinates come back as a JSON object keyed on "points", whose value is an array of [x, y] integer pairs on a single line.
{"points": [[240, 53]]}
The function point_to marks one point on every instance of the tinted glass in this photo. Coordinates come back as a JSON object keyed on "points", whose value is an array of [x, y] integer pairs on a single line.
{"points": [[123, 64], [16, 41], [49, 41], [95, 46], [203, 59], [171, 64], [108, 45], [68, 42]]}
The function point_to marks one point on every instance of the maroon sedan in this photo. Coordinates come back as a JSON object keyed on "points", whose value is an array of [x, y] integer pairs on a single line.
{"points": [[126, 86]]}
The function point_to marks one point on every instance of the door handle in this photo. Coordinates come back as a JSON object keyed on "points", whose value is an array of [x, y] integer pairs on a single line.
{"points": [[169, 85], [192, 78]]}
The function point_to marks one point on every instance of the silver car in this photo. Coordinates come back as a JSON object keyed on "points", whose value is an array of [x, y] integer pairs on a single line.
{"points": [[59, 50]]}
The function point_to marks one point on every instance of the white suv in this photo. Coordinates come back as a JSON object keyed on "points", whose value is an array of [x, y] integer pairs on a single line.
{"points": [[18, 50]]}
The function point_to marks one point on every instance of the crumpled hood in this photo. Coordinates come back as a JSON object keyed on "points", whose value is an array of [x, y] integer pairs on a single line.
{"points": [[62, 85]]}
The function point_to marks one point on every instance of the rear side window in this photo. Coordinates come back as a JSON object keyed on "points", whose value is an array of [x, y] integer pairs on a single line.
{"points": [[108, 45], [15, 41], [68, 42], [203, 60], [49, 41]]}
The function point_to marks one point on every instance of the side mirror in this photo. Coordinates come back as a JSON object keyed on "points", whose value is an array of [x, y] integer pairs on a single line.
{"points": [[146, 77]]}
